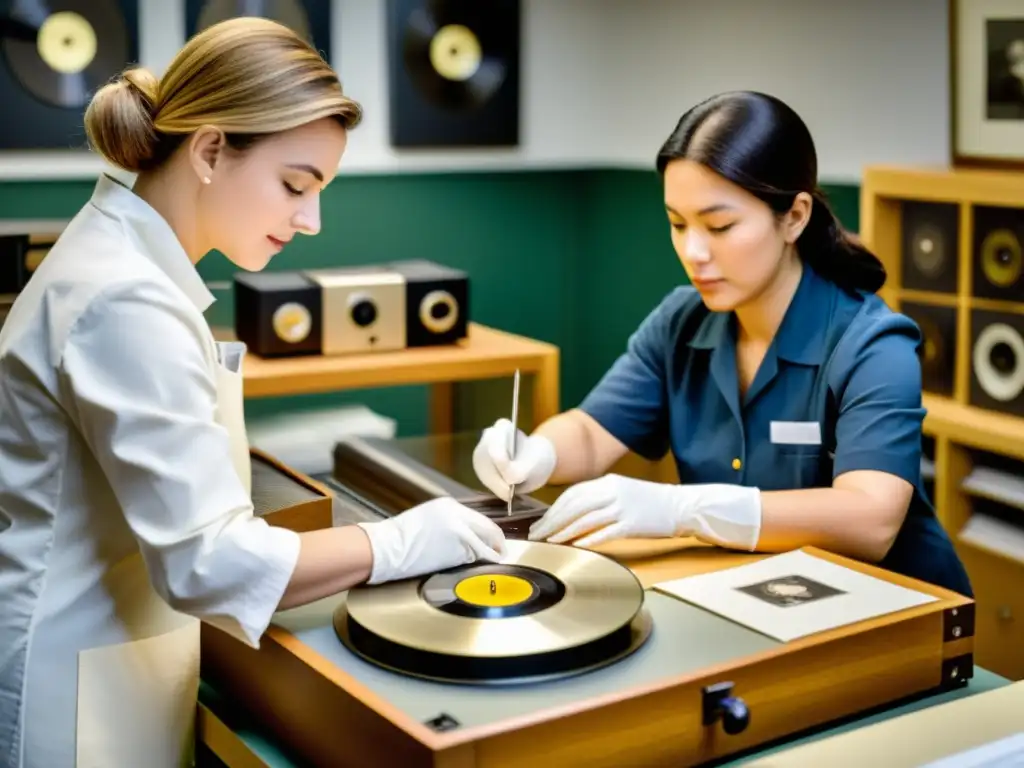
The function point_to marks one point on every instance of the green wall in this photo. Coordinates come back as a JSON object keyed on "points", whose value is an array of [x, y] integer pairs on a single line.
{"points": [[555, 255]]}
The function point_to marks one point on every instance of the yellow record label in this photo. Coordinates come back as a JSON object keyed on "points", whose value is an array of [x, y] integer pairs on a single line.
{"points": [[292, 322], [455, 52], [66, 42], [1001, 258], [497, 590]]}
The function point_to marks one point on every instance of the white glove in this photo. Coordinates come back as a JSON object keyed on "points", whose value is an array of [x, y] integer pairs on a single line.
{"points": [[535, 460], [430, 537], [616, 507]]}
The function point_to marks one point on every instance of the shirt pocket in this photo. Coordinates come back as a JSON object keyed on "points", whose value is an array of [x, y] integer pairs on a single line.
{"points": [[801, 465], [798, 439]]}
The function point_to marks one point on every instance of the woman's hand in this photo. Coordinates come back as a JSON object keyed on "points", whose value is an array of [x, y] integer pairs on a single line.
{"points": [[433, 536], [616, 507], [534, 461]]}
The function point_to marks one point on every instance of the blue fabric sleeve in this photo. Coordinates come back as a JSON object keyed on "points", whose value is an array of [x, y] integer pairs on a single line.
{"points": [[876, 376], [631, 399]]}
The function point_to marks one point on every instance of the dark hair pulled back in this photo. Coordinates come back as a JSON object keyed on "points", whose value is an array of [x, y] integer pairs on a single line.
{"points": [[760, 144]]}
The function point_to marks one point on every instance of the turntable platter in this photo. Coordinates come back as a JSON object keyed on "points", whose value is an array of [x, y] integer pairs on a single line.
{"points": [[545, 610]]}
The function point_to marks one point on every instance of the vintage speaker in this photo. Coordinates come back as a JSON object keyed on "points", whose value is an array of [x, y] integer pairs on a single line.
{"points": [[332, 311], [23, 246], [997, 361], [278, 313], [453, 72], [436, 302], [938, 345], [13, 266], [930, 244], [998, 267]]}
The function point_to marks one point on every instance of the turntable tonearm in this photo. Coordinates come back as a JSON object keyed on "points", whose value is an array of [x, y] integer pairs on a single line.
{"points": [[374, 474]]}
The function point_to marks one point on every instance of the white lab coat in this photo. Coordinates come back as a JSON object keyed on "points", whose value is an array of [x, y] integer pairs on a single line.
{"points": [[121, 520]]}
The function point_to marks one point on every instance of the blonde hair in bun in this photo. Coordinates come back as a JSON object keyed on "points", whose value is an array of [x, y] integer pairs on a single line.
{"points": [[119, 120], [249, 76]]}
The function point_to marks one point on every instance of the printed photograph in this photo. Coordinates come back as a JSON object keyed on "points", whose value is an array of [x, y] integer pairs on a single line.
{"points": [[790, 590], [1004, 42]]}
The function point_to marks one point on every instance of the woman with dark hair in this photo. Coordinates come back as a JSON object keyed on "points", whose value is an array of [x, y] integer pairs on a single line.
{"points": [[787, 391]]}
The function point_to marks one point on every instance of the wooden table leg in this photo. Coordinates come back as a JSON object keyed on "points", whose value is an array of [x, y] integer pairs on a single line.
{"points": [[442, 423], [545, 390], [442, 408]]}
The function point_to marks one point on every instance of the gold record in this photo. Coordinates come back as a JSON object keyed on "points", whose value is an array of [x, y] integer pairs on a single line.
{"points": [[455, 52], [67, 42], [509, 609], [1001, 258], [61, 51]]}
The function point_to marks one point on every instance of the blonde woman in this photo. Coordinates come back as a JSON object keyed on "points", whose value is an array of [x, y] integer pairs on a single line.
{"points": [[125, 513]]}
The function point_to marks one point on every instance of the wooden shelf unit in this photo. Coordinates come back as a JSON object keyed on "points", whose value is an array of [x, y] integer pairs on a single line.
{"points": [[977, 452]]}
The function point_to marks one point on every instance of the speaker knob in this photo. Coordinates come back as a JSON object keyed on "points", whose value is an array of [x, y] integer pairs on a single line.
{"points": [[363, 310]]}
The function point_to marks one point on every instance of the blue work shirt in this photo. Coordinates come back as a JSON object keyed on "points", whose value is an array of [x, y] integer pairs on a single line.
{"points": [[839, 390]]}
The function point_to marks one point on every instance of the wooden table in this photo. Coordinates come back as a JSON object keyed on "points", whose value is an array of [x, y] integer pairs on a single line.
{"points": [[486, 353], [222, 730], [228, 738]]}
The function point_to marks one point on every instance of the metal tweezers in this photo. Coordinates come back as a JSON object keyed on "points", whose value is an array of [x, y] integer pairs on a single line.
{"points": [[513, 439]]}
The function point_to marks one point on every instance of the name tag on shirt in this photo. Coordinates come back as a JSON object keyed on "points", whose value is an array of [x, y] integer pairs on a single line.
{"points": [[795, 432]]}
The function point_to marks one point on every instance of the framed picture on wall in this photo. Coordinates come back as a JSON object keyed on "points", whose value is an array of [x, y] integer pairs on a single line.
{"points": [[987, 82]]}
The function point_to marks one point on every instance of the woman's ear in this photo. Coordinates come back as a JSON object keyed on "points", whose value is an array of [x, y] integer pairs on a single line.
{"points": [[795, 220], [205, 148]]}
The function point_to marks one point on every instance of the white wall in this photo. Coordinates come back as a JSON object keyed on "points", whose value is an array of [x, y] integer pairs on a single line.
{"points": [[604, 81]]}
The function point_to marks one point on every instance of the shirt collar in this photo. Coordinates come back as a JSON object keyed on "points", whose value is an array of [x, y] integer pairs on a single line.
{"points": [[152, 236], [801, 335]]}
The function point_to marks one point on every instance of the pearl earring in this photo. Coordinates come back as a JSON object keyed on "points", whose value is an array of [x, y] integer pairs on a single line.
{"points": [[206, 179]]}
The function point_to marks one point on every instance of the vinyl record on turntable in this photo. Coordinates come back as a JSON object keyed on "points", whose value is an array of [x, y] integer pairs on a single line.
{"points": [[546, 611], [454, 72], [309, 18], [54, 55]]}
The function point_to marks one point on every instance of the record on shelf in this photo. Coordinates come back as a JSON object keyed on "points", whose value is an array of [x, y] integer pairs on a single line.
{"points": [[1001, 261], [930, 252], [454, 72], [546, 611], [934, 355], [59, 52], [309, 18]]}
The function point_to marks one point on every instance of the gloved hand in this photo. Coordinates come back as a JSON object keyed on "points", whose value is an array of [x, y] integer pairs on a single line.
{"points": [[430, 537], [535, 460], [615, 507]]}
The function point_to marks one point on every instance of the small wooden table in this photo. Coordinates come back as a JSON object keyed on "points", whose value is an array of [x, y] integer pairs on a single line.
{"points": [[485, 354]]}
